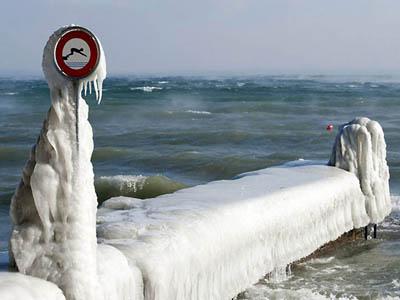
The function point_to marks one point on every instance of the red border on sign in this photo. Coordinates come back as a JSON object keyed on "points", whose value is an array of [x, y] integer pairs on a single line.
{"points": [[94, 53]]}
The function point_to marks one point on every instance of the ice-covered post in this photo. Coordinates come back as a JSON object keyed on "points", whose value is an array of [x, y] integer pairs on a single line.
{"points": [[53, 209], [360, 148]]}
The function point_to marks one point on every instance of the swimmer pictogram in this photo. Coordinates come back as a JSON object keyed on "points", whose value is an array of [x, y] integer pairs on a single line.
{"points": [[76, 53], [72, 51]]}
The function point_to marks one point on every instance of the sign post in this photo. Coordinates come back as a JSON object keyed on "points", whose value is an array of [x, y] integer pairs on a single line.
{"points": [[76, 56]]}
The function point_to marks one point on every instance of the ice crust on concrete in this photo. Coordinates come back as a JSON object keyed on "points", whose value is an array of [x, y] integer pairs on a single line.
{"points": [[16, 286], [116, 280], [213, 241], [360, 148]]}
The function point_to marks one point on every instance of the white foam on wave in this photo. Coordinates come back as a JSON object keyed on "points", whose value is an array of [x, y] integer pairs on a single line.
{"points": [[125, 182], [147, 89], [198, 112], [10, 93], [263, 292], [396, 283], [135, 186]]}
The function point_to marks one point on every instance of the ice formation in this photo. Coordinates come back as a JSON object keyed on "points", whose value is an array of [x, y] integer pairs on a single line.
{"points": [[54, 208], [16, 286], [213, 241], [360, 148], [116, 279]]}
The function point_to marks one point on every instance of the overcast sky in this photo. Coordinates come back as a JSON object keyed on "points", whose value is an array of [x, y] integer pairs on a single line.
{"points": [[202, 36]]}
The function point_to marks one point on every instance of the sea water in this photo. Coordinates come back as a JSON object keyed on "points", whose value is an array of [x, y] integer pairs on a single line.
{"points": [[156, 135]]}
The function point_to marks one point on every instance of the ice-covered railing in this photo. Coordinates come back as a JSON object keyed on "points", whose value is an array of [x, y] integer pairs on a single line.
{"points": [[360, 148], [213, 241]]}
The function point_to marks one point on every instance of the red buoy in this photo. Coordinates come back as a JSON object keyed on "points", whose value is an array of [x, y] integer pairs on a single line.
{"points": [[329, 127]]}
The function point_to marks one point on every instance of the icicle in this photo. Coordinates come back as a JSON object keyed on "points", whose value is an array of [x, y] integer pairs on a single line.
{"points": [[81, 88], [96, 89], [85, 86], [100, 85], [279, 274]]}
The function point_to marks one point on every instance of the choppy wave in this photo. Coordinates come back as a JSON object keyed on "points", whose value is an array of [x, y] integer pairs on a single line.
{"points": [[135, 186], [147, 89]]}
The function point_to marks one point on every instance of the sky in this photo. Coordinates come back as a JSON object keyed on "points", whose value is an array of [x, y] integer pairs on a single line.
{"points": [[212, 36]]}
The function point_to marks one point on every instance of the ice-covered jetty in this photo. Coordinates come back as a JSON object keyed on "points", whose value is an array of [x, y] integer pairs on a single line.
{"points": [[210, 241]]}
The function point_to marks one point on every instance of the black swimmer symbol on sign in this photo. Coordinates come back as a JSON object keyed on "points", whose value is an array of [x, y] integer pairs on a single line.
{"points": [[74, 50], [77, 52]]}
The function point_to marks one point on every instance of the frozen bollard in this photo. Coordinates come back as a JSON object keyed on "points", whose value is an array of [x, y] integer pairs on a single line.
{"points": [[360, 148], [53, 210]]}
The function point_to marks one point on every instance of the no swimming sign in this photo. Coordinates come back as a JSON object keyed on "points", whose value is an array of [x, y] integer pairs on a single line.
{"points": [[77, 52]]}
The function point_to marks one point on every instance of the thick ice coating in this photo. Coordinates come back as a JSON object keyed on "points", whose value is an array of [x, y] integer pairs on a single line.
{"points": [[360, 148], [16, 286], [54, 208], [213, 241]]}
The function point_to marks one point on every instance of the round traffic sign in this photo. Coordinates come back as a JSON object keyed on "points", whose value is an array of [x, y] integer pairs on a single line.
{"points": [[77, 52]]}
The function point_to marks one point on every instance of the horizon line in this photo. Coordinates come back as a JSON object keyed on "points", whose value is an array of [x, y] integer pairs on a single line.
{"points": [[377, 73]]}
